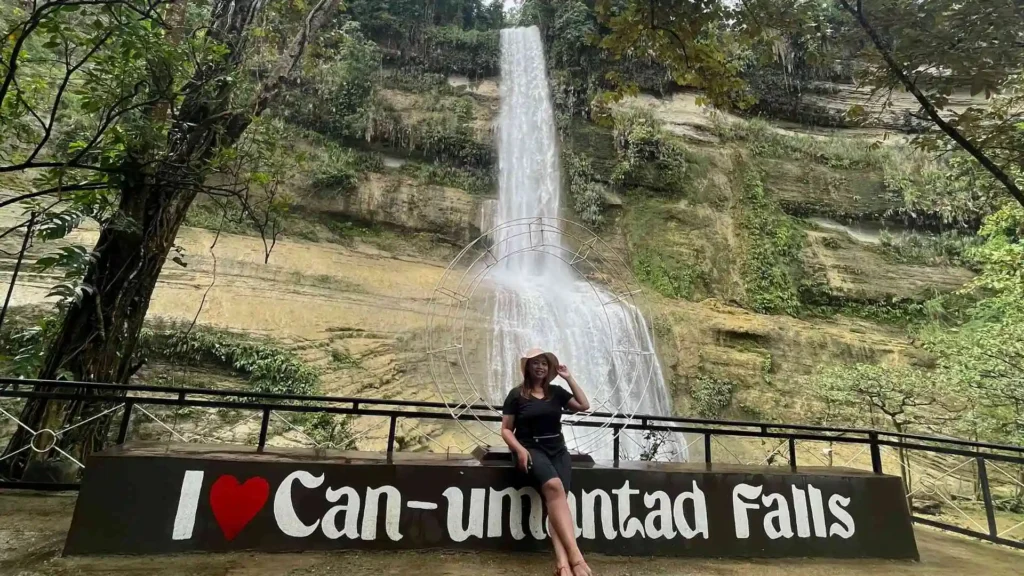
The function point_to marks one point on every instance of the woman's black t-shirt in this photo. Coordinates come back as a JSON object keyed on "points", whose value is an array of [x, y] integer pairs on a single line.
{"points": [[536, 417]]}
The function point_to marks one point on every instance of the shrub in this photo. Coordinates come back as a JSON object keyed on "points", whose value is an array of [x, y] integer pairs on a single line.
{"points": [[472, 180], [333, 96], [773, 244], [947, 248], [646, 155], [711, 396], [765, 141], [668, 277], [327, 430], [338, 170], [452, 50], [586, 196], [414, 79], [953, 191], [267, 367]]}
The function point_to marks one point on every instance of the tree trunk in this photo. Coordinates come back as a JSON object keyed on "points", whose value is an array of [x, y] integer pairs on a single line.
{"points": [[100, 332], [905, 468], [98, 337]]}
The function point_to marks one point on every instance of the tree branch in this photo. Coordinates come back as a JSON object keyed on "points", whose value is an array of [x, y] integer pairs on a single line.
{"points": [[929, 108], [316, 18], [69, 164], [69, 71], [69, 188]]}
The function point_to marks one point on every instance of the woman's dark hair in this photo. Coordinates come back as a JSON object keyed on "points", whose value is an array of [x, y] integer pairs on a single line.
{"points": [[524, 389]]}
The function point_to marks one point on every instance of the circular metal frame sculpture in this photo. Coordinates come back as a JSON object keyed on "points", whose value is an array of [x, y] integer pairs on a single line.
{"points": [[609, 277]]}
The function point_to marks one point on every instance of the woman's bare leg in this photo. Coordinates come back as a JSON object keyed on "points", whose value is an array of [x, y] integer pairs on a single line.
{"points": [[561, 556], [561, 522]]}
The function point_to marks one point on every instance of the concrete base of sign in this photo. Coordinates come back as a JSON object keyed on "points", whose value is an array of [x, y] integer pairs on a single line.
{"points": [[148, 498]]}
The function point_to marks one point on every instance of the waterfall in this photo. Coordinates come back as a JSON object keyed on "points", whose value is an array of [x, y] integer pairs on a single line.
{"points": [[539, 299]]}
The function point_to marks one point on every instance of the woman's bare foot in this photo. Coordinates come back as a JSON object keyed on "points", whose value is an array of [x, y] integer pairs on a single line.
{"points": [[562, 570], [580, 568]]}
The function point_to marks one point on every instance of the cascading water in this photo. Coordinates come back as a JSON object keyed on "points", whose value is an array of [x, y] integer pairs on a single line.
{"points": [[539, 298]]}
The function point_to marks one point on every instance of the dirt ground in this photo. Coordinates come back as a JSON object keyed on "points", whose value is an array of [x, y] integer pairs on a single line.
{"points": [[33, 527]]}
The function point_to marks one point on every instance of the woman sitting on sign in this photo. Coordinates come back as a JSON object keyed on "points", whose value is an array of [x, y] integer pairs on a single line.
{"points": [[531, 425]]}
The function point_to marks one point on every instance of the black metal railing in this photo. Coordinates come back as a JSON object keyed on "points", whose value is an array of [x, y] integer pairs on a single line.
{"points": [[933, 468]]}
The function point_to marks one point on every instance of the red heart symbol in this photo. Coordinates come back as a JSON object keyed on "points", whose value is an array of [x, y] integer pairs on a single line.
{"points": [[235, 505]]}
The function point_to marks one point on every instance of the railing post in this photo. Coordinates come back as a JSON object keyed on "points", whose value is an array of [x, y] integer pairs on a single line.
{"points": [[263, 430], [615, 444], [876, 453], [986, 493], [126, 417], [792, 452], [707, 448], [391, 439]]}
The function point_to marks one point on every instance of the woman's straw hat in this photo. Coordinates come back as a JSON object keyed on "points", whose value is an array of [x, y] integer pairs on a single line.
{"points": [[533, 353]]}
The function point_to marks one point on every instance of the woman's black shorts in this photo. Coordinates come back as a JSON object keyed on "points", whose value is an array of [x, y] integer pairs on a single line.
{"points": [[548, 464]]}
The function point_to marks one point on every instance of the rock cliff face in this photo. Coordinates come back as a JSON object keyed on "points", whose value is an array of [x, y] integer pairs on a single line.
{"points": [[400, 201], [367, 300], [766, 357]]}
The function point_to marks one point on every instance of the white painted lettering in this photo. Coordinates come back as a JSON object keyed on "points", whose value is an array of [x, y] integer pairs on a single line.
{"points": [[589, 504], [188, 502], [495, 517], [571, 499], [658, 523], [284, 510], [776, 522], [803, 525], [837, 506], [350, 508], [739, 507], [475, 527], [817, 512], [392, 513], [627, 526], [700, 512]]}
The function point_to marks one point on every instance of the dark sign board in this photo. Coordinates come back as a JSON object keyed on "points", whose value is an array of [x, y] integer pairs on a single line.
{"points": [[185, 498]]}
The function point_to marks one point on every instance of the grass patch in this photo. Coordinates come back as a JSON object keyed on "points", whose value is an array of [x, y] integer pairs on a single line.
{"points": [[415, 79], [765, 141], [338, 170], [772, 246], [819, 300], [667, 276], [646, 155], [480, 181], [945, 249], [586, 194], [660, 257], [266, 366]]}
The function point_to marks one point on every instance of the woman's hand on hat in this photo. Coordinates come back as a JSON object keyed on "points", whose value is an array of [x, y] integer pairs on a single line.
{"points": [[563, 371]]}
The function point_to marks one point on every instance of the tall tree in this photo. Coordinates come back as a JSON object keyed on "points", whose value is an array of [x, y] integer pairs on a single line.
{"points": [[118, 69], [902, 398]]}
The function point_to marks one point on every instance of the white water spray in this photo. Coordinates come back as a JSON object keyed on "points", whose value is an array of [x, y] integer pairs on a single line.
{"points": [[540, 300]]}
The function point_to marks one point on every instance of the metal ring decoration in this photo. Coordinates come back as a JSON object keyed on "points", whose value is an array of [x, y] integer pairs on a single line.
{"points": [[610, 278], [53, 440]]}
